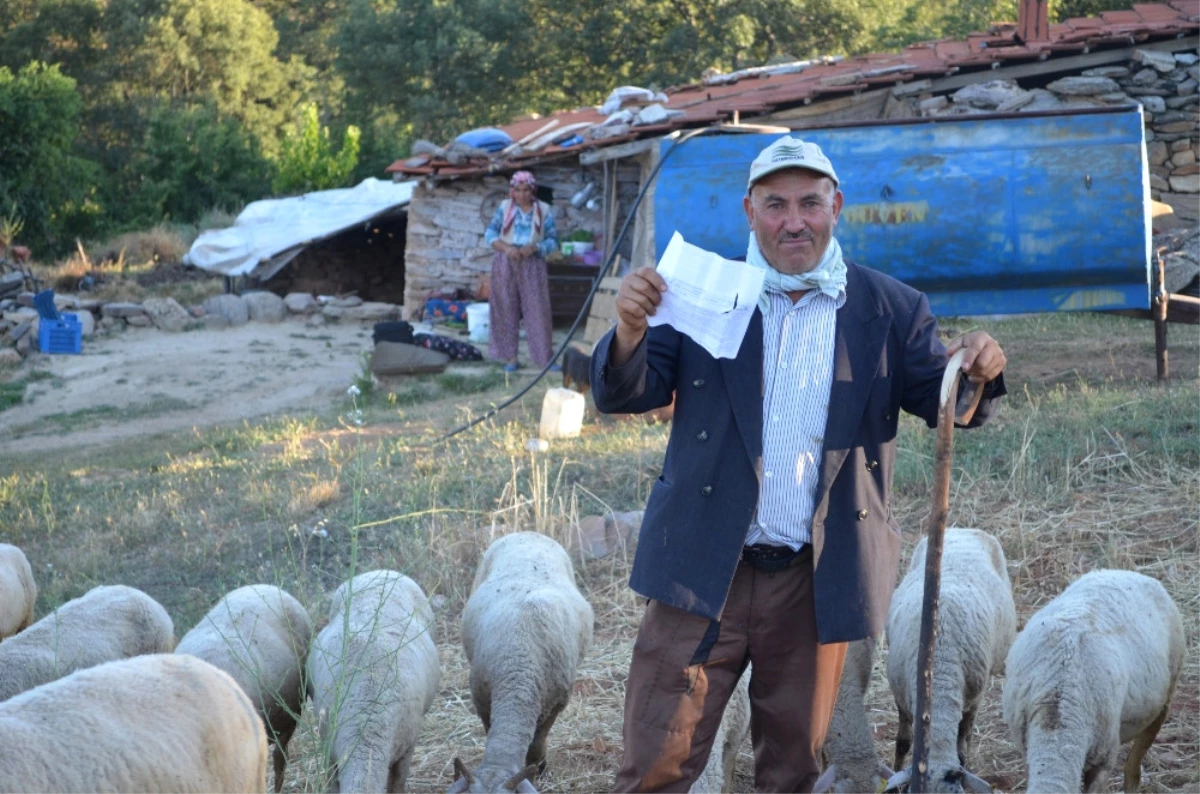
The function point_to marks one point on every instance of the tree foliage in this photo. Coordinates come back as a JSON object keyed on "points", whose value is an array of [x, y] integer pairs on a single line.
{"points": [[40, 175], [151, 108], [307, 161]]}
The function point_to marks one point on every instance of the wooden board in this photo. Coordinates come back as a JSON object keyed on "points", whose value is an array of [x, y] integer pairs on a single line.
{"points": [[603, 313]]}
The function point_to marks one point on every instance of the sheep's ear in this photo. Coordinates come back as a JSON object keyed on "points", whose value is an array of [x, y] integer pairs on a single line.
{"points": [[976, 784], [825, 781], [898, 781]]}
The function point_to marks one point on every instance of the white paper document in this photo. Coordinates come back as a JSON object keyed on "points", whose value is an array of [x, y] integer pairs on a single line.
{"points": [[708, 297]]}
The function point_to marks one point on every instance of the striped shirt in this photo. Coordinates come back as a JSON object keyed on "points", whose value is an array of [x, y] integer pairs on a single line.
{"points": [[797, 378]]}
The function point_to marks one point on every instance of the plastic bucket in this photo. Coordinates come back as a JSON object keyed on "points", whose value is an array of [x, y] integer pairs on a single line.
{"points": [[478, 317]]}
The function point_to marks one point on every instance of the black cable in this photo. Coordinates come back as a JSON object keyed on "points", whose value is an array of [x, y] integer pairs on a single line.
{"points": [[595, 284]]}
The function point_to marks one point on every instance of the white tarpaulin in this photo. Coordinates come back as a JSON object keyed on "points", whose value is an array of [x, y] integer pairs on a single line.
{"points": [[269, 233]]}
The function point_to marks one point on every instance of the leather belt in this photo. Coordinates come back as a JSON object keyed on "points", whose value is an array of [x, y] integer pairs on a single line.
{"points": [[768, 558]]}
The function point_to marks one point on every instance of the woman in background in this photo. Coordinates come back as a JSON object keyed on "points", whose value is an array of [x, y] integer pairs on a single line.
{"points": [[522, 233]]}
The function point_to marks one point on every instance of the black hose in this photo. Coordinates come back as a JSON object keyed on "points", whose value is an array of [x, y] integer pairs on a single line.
{"points": [[595, 284]]}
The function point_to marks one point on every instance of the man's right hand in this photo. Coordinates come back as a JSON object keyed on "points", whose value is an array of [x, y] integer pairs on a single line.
{"points": [[637, 299]]}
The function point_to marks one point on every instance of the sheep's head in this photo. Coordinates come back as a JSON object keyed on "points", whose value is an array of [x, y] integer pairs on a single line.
{"points": [[835, 781], [467, 783], [954, 781]]}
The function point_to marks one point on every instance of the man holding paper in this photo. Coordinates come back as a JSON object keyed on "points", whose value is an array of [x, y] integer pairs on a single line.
{"points": [[769, 537]]}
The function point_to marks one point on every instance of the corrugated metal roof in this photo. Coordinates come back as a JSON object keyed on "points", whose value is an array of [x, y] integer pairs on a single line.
{"points": [[704, 104]]}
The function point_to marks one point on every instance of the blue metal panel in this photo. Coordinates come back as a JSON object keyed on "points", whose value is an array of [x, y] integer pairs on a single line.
{"points": [[986, 216]]}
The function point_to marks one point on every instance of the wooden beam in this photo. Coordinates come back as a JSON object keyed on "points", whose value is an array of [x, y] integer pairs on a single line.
{"points": [[630, 149], [866, 106], [1071, 63]]}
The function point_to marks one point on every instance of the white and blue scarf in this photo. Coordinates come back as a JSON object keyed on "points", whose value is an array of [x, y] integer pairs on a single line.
{"points": [[829, 276]]}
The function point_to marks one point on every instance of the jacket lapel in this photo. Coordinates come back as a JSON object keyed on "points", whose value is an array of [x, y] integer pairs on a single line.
{"points": [[743, 378], [859, 338]]}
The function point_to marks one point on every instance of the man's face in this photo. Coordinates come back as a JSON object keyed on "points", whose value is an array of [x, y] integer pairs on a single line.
{"points": [[792, 214]]}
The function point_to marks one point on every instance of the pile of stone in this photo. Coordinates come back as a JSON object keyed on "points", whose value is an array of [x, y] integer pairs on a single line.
{"points": [[19, 320], [1164, 84]]}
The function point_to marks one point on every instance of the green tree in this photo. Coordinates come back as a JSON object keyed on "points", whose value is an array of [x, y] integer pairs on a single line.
{"points": [[51, 188], [307, 161], [223, 51], [190, 160]]}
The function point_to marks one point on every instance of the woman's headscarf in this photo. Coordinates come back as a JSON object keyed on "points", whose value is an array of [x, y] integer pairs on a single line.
{"points": [[510, 212]]}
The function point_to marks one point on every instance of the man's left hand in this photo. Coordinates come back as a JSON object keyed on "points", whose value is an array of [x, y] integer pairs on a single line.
{"points": [[984, 360]]}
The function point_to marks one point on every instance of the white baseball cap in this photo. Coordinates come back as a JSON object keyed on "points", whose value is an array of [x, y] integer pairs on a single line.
{"points": [[789, 152]]}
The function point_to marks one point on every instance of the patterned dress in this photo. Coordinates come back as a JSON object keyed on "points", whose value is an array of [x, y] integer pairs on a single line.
{"points": [[521, 289]]}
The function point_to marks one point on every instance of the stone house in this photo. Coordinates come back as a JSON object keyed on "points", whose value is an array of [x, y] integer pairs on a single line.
{"points": [[1145, 56]]}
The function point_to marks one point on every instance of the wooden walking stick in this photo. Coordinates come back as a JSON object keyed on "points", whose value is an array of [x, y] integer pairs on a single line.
{"points": [[951, 411]]}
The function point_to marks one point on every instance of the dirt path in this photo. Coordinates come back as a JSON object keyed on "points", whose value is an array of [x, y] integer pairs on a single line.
{"points": [[144, 382]]}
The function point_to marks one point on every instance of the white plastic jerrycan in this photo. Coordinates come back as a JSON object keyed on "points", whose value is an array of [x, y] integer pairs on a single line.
{"points": [[562, 413]]}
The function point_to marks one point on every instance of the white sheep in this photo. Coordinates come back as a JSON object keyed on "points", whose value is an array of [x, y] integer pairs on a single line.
{"points": [[976, 623], [373, 672], [525, 629], [731, 733], [102, 625], [149, 724], [18, 591], [851, 763], [1091, 670], [259, 635]]}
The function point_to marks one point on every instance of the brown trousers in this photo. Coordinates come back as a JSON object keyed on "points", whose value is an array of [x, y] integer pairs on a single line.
{"points": [[684, 670]]}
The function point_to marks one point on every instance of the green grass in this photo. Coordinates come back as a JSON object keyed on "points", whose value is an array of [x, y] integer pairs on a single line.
{"points": [[12, 393]]}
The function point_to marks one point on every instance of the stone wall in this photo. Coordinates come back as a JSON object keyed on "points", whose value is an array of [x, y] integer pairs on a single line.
{"points": [[444, 249], [1164, 84]]}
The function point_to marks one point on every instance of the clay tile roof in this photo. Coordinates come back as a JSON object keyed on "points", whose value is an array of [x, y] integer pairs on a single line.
{"points": [[750, 94]]}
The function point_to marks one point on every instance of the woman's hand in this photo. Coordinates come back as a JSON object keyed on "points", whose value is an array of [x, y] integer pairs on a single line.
{"points": [[527, 251]]}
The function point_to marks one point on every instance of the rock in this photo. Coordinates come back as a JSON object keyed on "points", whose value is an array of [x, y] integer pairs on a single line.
{"points": [[122, 310], [1083, 86], [1139, 90], [300, 303], [1144, 77], [25, 345], [107, 322], [1185, 205], [1175, 127], [1159, 182], [1159, 61], [345, 302], [1187, 58], [87, 322], [1016, 102], [1042, 100], [216, 322], [25, 298], [1179, 146], [1189, 183], [596, 537], [931, 106], [89, 305], [9, 357], [1111, 72], [265, 307], [139, 321], [166, 313], [1181, 257], [16, 332], [373, 311], [315, 320], [991, 94], [1183, 157], [1154, 104], [1174, 117], [1156, 153], [196, 311], [1187, 87], [21, 315], [1178, 102], [1186, 170], [231, 307], [65, 302]]}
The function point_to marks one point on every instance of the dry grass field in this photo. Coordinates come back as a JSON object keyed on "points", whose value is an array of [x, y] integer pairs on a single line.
{"points": [[1090, 464]]}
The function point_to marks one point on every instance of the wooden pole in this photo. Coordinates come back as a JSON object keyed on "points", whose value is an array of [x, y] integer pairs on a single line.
{"points": [[1158, 310], [935, 535]]}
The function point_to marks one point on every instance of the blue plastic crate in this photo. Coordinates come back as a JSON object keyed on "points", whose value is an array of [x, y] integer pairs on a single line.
{"points": [[44, 303], [64, 335]]}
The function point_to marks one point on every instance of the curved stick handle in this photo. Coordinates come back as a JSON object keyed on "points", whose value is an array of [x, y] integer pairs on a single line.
{"points": [[935, 532]]}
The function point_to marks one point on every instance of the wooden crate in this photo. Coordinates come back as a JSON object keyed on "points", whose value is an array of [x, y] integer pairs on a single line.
{"points": [[603, 314]]}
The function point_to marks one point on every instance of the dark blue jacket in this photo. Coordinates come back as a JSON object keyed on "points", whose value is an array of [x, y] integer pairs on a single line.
{"points": [[887, 358]]}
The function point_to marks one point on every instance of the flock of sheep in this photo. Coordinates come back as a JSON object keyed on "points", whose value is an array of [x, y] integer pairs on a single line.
{"points": [[97, 696], [1093, 669]]}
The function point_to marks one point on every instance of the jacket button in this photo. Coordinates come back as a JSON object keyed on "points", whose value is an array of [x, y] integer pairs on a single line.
{"points": [[698, 383], [887, 417], [706, 490], [862, 515], [702, 435], [872, 465]]}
